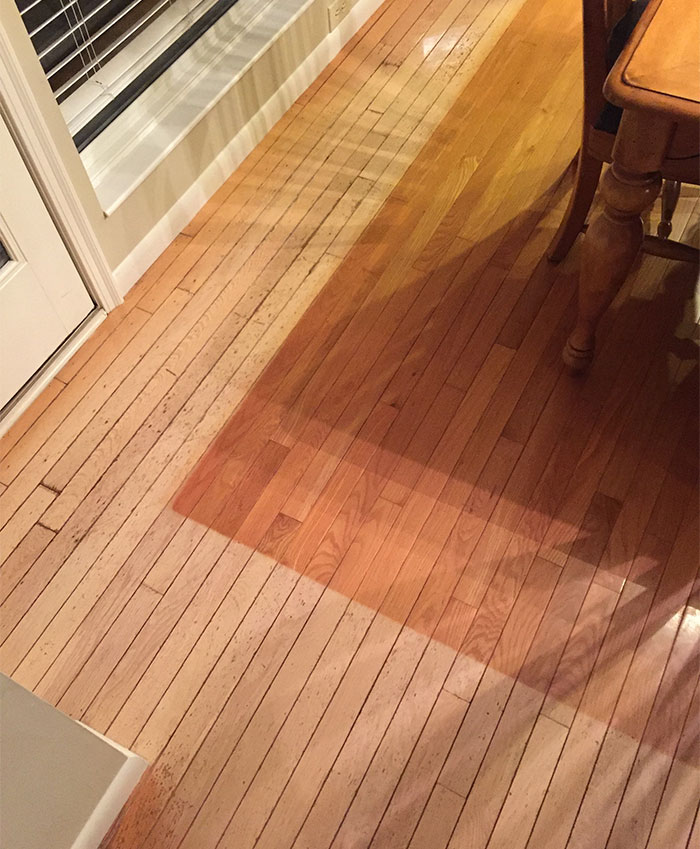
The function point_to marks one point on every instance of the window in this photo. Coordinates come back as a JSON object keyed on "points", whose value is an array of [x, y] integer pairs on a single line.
{"points": [[4, 255], [121, 46]]}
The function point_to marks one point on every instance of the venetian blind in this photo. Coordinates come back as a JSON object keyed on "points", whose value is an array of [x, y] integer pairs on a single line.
{"points": [[76, 39]]}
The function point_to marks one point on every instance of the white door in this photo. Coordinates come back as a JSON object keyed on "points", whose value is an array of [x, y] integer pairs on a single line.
{"points": [[42, 297]]}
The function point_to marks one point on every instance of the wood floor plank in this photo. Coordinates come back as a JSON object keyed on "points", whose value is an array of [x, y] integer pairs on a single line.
{"points": [[384, 772], [139, 667], [197, 351], [75, 474], [170, 604], [32, 440], [318, 693], [586, 477], [166, 448], [529, 785], [98, 667], [438, 820], [628, 532], [148, 817], [268, 672], [594, 713], [674, 818], [317, 760], [154, 708], [555, 628], [20, 561], [85, 396], [26, 420], [354, 565], [556, 815], [678, 488], [441, 517], [419, 588], [411, 794], [347, 771], [473, 741], [580, 654], [241, 768], [32, 648], [23, 520], [190, 287], [605, 788]]}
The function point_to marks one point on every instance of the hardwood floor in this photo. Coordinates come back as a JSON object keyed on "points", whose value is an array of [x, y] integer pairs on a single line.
{"points": [[316, 522]]}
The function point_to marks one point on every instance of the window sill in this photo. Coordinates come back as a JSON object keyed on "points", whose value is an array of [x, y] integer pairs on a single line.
{"points": [[108, 80], [133, 146]]}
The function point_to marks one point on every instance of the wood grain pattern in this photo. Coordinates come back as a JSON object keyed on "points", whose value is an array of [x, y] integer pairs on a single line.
{"points": [[423, 588], [648, 73]]}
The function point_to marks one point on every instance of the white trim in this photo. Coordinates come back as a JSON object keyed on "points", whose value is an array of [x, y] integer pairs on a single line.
{"points": [[181, 213], [105, 813], [109, 807], [34, 141], [111, 804], [50, 369], [53, 759]]}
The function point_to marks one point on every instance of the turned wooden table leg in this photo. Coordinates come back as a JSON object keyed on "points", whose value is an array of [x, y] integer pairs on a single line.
{"points": [[629, 187], [611, 243]]}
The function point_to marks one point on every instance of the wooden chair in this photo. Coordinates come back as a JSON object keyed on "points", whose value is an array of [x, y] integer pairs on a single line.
{"points": [[600, 18]]}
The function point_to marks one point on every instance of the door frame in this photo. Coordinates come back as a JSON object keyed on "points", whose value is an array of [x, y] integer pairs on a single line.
{"points": [[30, 133], [35, 144]]}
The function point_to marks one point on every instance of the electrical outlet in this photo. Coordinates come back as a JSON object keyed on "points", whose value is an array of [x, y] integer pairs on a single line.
{"points": [[336, 12]]}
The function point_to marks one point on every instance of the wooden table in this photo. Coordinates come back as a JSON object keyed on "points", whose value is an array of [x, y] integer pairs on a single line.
{"points": [[657, 82]]}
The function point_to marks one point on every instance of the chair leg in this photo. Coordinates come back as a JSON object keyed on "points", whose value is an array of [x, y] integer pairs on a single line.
{"points": [[669, 199], [585, 185]]}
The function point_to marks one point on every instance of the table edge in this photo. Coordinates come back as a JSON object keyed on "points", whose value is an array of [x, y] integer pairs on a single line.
{"points": [[621, 92]]}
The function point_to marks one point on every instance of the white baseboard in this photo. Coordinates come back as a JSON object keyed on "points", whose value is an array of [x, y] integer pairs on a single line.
{"points": [[217, 172]]}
